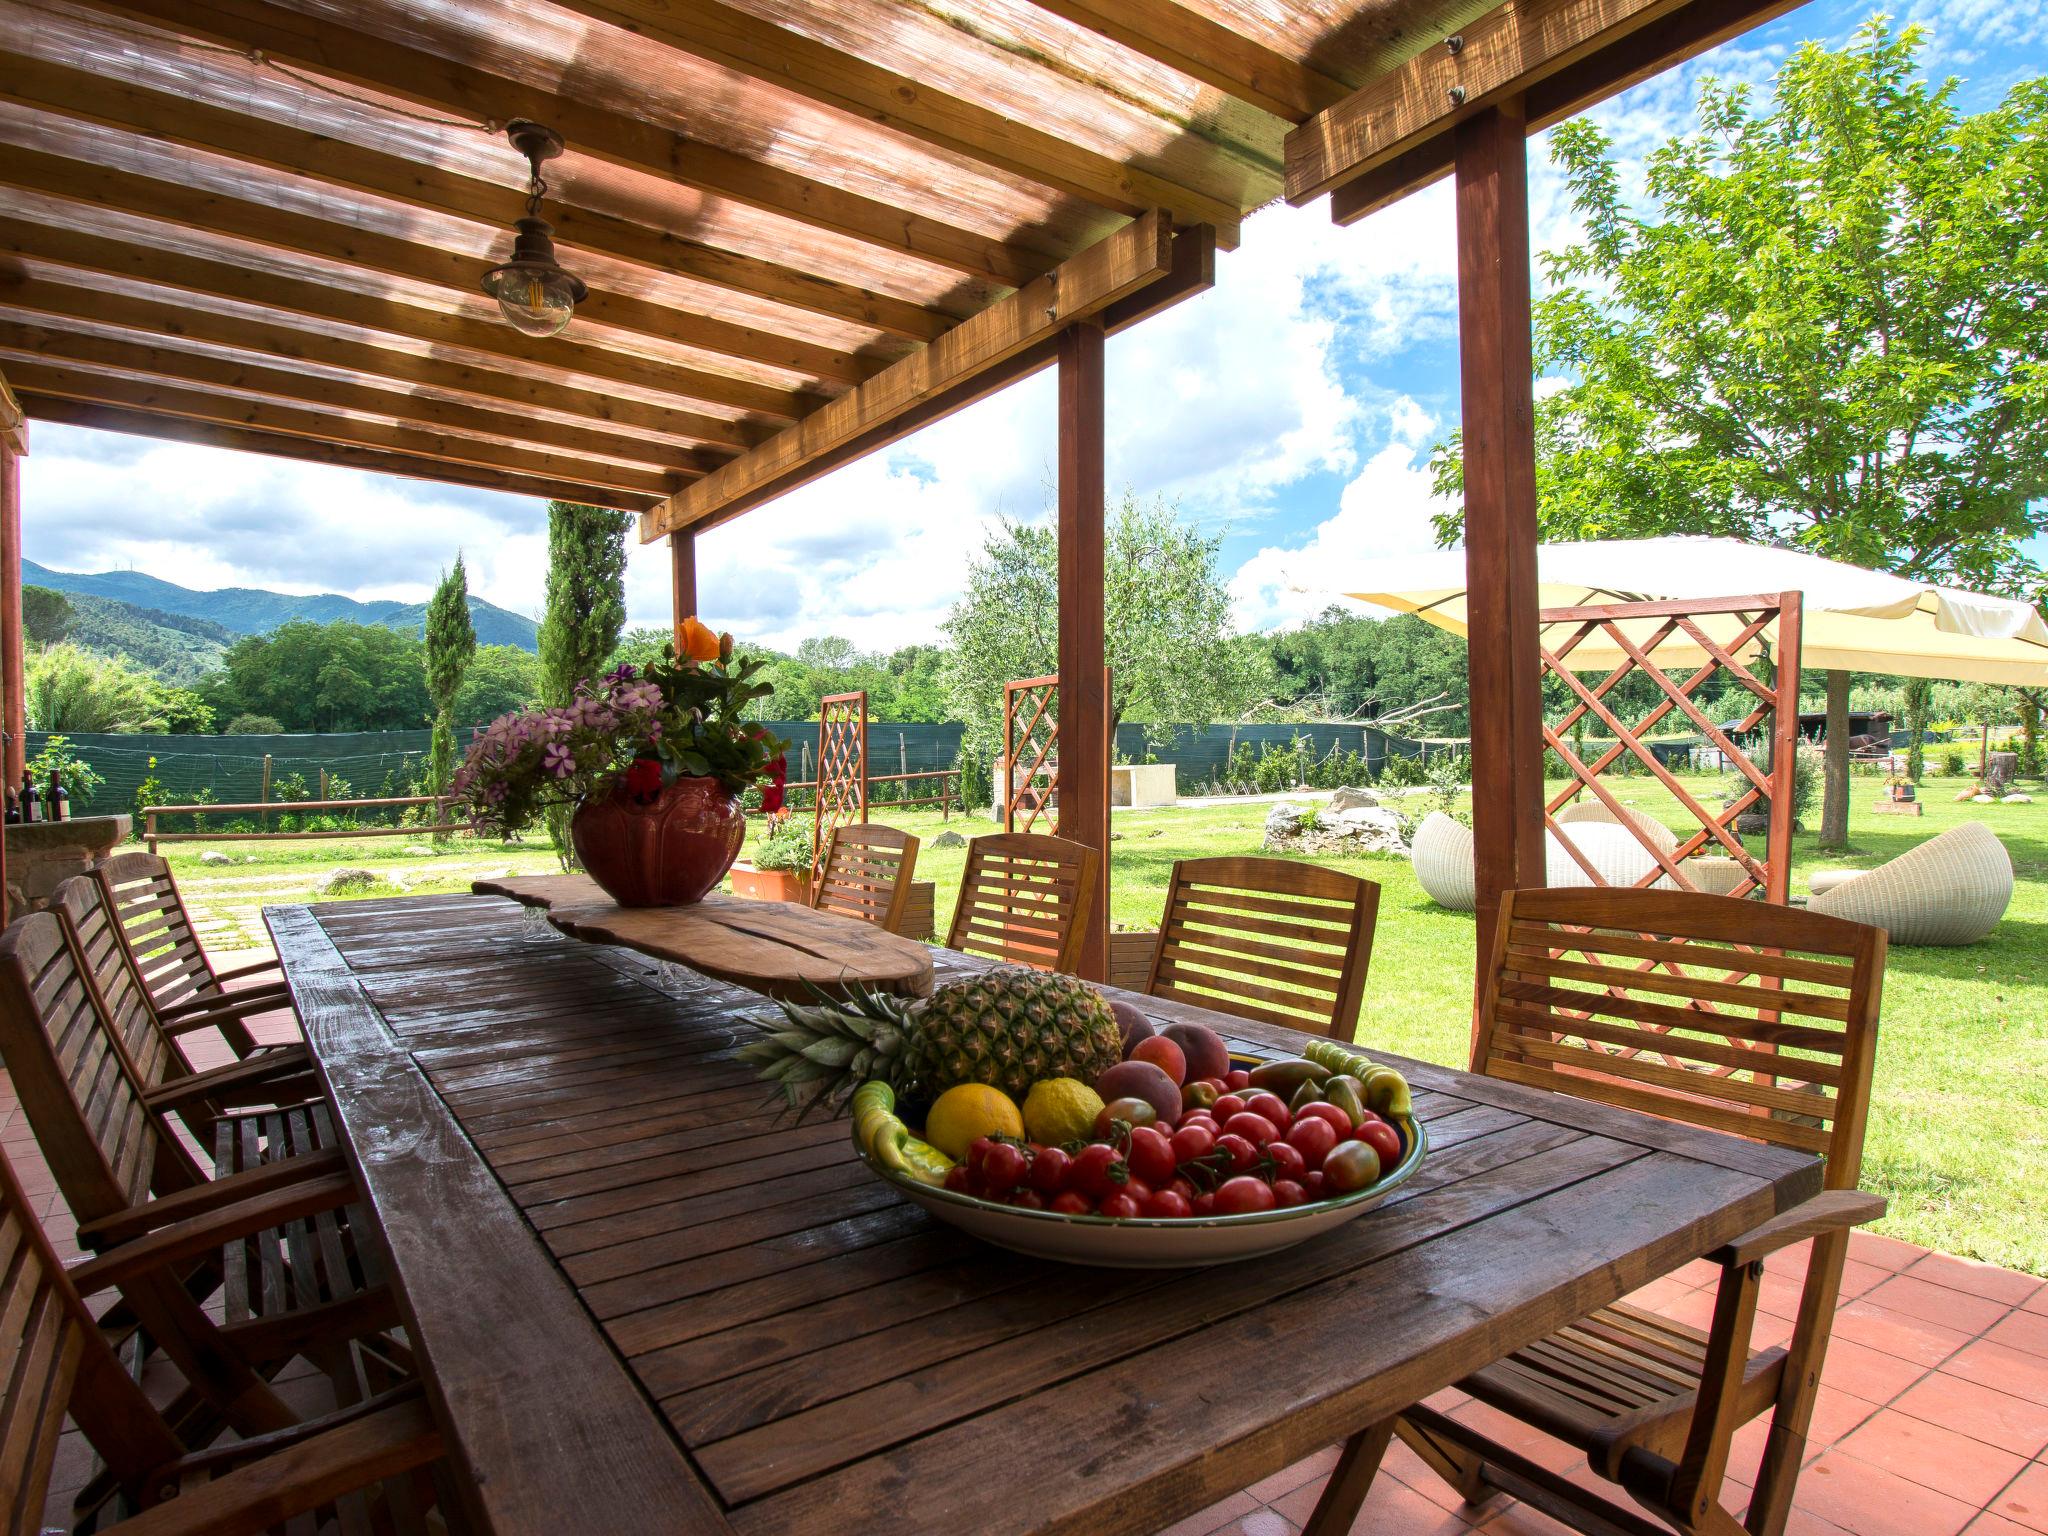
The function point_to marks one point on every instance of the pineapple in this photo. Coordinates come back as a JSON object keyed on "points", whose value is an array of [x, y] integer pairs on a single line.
{"points": [[1009, 1027]]}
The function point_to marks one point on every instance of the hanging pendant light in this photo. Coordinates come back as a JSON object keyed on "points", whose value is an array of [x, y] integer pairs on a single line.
{"points": [[533, 292]]}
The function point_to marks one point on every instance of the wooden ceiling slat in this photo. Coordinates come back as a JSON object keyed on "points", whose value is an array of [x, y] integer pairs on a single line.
{"points": [[426, 80], [278, 340], [109, 418], [135, 357], [1205, 50], [267, 144], [1139, 253], [200, 210], [90, 253], [751, 46]]}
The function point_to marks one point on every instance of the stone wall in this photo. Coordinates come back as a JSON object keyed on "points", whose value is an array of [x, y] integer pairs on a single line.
{"points": [[42, 855]]}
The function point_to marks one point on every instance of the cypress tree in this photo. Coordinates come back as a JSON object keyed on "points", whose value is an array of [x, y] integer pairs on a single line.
{"points": [[586, 609], [451, 643]]}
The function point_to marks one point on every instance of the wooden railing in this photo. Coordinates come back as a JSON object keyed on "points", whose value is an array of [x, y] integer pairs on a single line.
{"points": [[948, 792], [268, 808]]}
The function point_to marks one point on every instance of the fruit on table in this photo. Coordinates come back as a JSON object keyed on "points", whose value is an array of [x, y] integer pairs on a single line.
{"points": [[1207, 1055], [1008, 1027], [1128, 1113], [1163, 1054], [1132, 1024], [1061, 1109], [888, 1140], [1286, 1076], [965, 1113], [1352, 1166], [1141, 1080]]}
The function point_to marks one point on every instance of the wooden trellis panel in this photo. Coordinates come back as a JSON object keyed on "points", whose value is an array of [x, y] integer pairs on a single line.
{"points": [[842, 767], [1776, 702], [1031, 734]]}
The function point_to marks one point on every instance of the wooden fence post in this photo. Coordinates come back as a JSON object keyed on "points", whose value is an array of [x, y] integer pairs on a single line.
{"points": [[263, 818]]}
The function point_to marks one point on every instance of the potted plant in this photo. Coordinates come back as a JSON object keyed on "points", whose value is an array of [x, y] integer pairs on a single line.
{"points": [[1899, 786], [780, 869], [654, 760]]}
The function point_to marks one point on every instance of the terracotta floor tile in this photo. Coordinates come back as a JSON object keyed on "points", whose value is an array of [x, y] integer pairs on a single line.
{"points": [[1896, 1333], [1658, 1293], [1517, 1436], [2025, 1500], [1261, 1522], [1694, 1307], [1996, 1525], [1870, 1501], [1858, 1278], [1521, 1520], [1698, 1272], [1416, 1474], [1310, 1469], [1389, 1507], [1976, 1277], [2022, 1330], [2001, 1366], [1885, 1252], [1217, 1515], [2038, 1302], [1871, 1374], [1940, 1304], [2015, 1424], [1934, 1457]]}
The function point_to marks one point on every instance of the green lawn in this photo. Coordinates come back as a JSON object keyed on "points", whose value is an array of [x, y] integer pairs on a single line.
{"points": [[1958, 1138]]}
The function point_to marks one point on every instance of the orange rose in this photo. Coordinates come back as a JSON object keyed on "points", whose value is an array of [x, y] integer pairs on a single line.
{"points": [[697, 641]]}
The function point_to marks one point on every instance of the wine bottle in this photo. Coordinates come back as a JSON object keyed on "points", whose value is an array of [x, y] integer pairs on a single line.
{"points": [[13, 809], [57, 804], [31, 802]]}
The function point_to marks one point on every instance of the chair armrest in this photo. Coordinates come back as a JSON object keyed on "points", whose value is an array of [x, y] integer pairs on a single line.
{"points": [[253, 968], [210, 1230], [226, 1083], [210, 1196], [199, 1012], [1826, 1212]]}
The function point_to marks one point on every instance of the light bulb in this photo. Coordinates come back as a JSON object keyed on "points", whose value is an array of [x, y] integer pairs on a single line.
{"points": [[533, 292]]}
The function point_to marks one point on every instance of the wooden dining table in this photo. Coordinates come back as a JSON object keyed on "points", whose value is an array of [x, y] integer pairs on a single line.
{"points": [[644, 1300]]}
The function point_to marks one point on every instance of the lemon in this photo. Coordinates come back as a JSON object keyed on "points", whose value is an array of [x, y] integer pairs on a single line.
{"points": [[965, 1113], [1061, 1109]]}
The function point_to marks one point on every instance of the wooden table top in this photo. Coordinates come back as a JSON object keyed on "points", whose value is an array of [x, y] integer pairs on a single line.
{"points": [[636, 1289], [773, 947]]}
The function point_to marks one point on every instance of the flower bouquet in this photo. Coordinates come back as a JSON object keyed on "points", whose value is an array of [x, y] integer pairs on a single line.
{"points": [[654, 759]]}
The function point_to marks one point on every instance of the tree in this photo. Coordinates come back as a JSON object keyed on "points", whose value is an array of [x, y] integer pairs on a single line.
{"points": [[501, 680], [1830, 329], [46, 615], [448, 650], [1172, 657], [585, 612], [76, 692], [1342, 665], [341, 676]]}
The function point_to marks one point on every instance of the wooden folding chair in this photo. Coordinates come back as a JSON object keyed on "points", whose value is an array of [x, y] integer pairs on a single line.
{"points": [[175, 971], [1756, 1020], [289, 1288], [1267, 939], [866, 874], [369, 1466], [1024, 899], [271, 1075]]}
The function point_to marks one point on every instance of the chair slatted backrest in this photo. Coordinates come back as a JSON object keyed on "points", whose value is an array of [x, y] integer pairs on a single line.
{"points": [[866, 874], [1024, 899], [1733, 1015], [1267, 939], [104, 1145], [81, 904], [168, 955]]}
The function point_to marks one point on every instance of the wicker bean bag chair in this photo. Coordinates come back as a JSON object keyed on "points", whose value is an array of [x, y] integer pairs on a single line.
{"points": [[1952, 889], [1442, 852], [1593, 811]]}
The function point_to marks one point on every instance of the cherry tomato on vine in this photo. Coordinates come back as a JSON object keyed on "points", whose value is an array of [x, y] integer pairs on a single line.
{"points": [[1049, 1169], [1120, 1206], [1383, 1139], [1243, 1195], [1151, 1156]]}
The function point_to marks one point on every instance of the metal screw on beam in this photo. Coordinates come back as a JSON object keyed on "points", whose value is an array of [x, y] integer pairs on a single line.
{"points": [[1455, 42], [1457, 95]]}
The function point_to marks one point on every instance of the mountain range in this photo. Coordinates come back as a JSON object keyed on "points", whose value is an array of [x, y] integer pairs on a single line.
{"points": [[254, 611]]}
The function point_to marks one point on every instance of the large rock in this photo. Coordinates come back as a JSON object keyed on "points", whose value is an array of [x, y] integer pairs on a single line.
{"points": [[1283, 822], [342, 881], [1371, 829], [210, 857], [1352, 800], [1361, 829], [949, 839]]}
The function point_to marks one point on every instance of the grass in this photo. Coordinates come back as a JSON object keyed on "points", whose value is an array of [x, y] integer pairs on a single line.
{"points": [[1959, 1131]]}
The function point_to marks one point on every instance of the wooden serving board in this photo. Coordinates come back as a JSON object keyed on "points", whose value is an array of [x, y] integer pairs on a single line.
{"points": [[772, 947]]}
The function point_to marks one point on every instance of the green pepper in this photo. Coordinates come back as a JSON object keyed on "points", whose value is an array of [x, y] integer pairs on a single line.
{"points": [[1386, 1091], [1310, 1092], [1286, 1076], [1343, 1091]]}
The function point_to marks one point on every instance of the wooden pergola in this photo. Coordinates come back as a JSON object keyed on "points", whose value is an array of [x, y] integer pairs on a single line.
{"points": [[808, 227]]}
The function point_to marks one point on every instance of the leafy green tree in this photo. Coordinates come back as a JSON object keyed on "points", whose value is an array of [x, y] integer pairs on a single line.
{"points": [[46, 615], [324, 677], [449, 647], [255, 725], [1917, 691], [74, 691], [1342, 665], [1830, 329], [500, 680], [637, 647], [1167, 635], [585, 612]]}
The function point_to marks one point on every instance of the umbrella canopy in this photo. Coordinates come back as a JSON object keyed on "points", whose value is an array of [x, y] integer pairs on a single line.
{"points": [[1853, 620]]}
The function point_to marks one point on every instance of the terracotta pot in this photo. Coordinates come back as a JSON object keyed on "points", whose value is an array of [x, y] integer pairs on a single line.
{"points": [[770, 884], [661, 850]]}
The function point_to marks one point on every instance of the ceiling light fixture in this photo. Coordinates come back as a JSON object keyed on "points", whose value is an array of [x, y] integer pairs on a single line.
{"points": [[533, 292]]}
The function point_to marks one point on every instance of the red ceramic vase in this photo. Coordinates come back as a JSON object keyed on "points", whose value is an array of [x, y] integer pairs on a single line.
{"points": [[662, 850]]}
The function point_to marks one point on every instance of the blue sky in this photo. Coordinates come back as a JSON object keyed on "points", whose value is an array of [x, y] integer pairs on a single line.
{"points": [[1293, 408]]}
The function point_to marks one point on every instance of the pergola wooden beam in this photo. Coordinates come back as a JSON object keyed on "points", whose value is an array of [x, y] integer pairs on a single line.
{"points": [[1171, 34], [110, 418], [13, 654], [781, 57], [22, 342], [380, 362], [268, 145], [46, 381], [27, 234], [326, 47], [1120, 266], [1628, 60]]}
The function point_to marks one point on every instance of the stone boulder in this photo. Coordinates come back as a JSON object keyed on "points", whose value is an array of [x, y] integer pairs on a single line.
{"points": [[949, 839], [341, 881], [1352, 800], [1283, 822], [1360, 829], [210, 857]]}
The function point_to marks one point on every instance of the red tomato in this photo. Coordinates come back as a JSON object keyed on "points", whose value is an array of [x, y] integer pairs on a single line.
{"points": [[1256, 1129], [1049, 1169], [1272, 1106], [1287, 1193], [1129, 1111], [1230, 1104], [1313, 1137], [1243, 1155], [1182, 1188], [1287, 1161], [1318, 1188], [1028, 1199], [1239, 1196], [1383, 1139], [1137, 1189], [1003, 1169], [959, 1180], [1200, 1117], [1168, 1205], [1151, 1155], [977, 1154], [1120, 1206], [1072, 1202], [1237, 1077], [1097, 1171], [1339, 1120], [1352, 1166], [1205, 1204], [1193, 1141]]}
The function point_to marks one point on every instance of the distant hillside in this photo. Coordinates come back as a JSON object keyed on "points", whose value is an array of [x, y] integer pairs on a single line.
{"points": [[253, 611], [169, 645]]}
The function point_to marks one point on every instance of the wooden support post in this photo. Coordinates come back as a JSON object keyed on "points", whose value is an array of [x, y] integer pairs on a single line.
{"points": [[1784, 748], [1083, 774], [13, 666], [263, 822], [1495, 365], [1834, 795], [682, 558]]}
